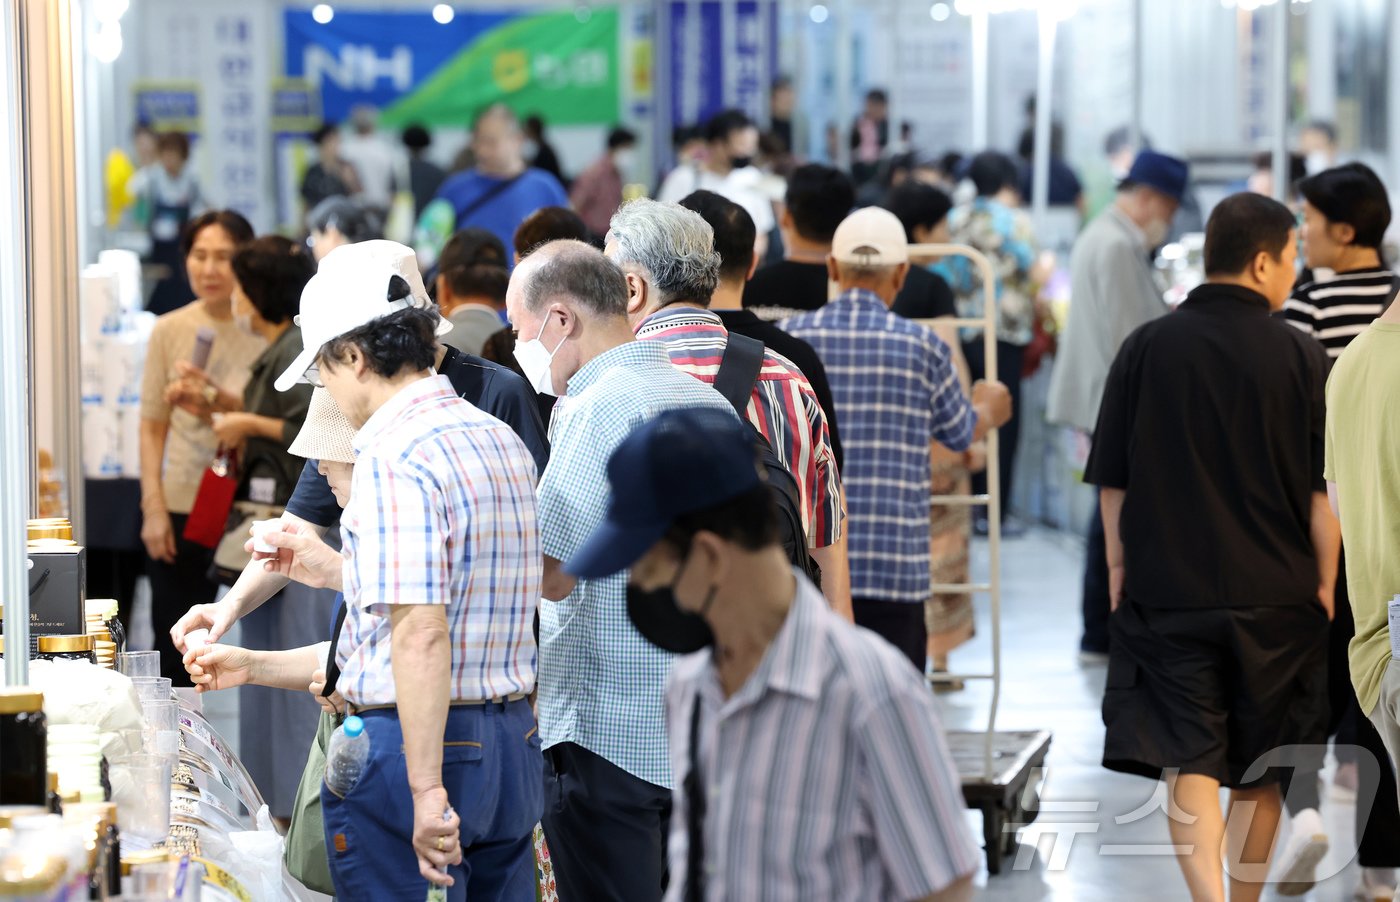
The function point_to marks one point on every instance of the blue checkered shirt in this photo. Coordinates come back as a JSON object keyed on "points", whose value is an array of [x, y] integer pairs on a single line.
{"points": [[602, 685], [894, 382]]}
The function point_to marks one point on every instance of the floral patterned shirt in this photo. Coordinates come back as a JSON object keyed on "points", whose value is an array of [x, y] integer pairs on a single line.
{"points": [[1004, 234]]}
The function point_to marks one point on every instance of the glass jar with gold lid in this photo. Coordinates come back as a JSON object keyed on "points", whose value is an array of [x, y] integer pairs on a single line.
{"points": [[75, 647], [24, 737]]}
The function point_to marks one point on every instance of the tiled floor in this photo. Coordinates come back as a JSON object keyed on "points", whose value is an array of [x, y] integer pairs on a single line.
{"points": [[1083, 853], [1077, 850]]}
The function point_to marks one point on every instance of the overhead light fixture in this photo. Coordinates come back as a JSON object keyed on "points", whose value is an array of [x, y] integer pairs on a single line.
{"points": [[322, 13], [820, 14], [109, 10], [939, 12], [443, 14]]}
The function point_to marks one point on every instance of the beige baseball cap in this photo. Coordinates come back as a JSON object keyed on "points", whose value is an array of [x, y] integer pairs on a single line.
{"points": [[870, 237]]}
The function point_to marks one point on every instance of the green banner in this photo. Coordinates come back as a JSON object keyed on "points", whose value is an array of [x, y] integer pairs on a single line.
{"points": [[551, 63]]}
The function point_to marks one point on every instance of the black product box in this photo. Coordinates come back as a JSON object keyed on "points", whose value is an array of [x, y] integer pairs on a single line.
{"points": [[57, 591]]}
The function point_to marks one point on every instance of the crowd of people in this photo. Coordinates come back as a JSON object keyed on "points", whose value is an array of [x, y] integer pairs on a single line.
{"points": [[618, 523]]}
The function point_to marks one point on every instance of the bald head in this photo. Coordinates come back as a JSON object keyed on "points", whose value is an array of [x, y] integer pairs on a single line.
{"points": [[575, 272]]}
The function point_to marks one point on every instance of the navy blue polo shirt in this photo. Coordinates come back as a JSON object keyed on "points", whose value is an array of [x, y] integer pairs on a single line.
{"points": [[493, 388]]}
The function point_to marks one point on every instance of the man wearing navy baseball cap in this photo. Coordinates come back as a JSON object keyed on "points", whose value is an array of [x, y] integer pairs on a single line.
{"points": [[1113, 292], [816, 715]]}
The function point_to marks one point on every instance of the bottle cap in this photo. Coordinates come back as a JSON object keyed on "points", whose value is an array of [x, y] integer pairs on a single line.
{"points": [[20, 701], [353, 726], [79, 642]]}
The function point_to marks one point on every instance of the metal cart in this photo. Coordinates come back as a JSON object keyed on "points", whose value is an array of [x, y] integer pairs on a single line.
{"points": [[1000, 771]]}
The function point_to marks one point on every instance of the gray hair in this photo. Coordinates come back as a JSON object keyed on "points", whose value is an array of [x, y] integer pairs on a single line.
{"points": [[865, 273], [575, 271], [672, 246]]}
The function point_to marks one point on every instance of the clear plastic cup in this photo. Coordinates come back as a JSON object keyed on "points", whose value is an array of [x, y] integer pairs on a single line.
{"points": [[141, 789], [139, 663], [154, 688], [163, 725]]}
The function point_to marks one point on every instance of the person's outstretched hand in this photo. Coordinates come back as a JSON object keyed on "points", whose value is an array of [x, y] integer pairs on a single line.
{"points": [[218, 618], [215, 667], [302, 556]]}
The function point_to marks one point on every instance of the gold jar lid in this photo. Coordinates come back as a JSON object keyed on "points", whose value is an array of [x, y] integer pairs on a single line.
{"points": [[137, 859], [50, 528], [54, 644], [11, 813], [24, 877], [53, 782], [21, 701]]}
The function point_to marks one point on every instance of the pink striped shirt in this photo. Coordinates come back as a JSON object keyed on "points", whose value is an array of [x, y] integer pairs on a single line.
{"points": [[784, 408], [442, 512]]}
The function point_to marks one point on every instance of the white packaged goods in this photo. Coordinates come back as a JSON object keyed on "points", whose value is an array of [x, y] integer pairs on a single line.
{"points": [[93, 373], [99, 299], [102, 441], [127, 265]]}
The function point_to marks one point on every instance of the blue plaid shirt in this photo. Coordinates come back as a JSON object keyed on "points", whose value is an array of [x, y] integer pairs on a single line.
{"points": [[602, 685], [894, 382]]}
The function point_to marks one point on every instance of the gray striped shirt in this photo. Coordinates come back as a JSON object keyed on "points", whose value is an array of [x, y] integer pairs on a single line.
{"points": [[827, 774]]}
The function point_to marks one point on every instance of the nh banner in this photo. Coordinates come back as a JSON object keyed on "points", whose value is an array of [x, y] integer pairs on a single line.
{"points": [[561, 64]]}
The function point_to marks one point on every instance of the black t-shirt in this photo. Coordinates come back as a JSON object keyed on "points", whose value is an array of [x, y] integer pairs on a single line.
{"points": [[1212, 421], [925, 295], [490, 386], [799, 352], [786, 286]]}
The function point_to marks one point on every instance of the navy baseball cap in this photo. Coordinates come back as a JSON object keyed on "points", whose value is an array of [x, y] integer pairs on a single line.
{"points": [[678, 463], [1161, 173]]}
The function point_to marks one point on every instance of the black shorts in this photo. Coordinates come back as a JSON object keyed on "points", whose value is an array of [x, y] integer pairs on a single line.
{"points": [[1213, 691]]}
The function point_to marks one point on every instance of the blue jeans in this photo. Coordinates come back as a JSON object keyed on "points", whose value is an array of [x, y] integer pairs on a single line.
{"points": [[494, 775]]}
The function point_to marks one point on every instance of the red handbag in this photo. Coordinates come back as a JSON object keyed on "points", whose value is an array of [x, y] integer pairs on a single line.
{"points": [[208, 520]]}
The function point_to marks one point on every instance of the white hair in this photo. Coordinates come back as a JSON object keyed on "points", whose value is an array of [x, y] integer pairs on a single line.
{"points": [[672, 246]]}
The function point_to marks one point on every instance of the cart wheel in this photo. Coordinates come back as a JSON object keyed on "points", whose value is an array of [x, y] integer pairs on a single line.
{"points": [[992, 821]]}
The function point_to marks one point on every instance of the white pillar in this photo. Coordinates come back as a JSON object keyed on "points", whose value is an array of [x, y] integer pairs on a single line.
{"points": [[1279, 101], [981, 131], [1045, 78]]}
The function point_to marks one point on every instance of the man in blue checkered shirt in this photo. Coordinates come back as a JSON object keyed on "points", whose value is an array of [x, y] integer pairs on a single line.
{"points": [[894, 383], [601, 685]]}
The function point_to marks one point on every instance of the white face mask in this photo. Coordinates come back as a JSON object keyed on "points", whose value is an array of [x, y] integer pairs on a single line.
{"points": [[1155, 233], [623, 160], [530, 150], [535, 361], [1316, 162]]}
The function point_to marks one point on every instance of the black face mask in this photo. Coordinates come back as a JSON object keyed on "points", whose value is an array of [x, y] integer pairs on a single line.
{"points": [[661, 622], [740, 162]]}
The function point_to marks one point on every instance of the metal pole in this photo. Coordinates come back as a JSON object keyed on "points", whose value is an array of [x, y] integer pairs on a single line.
{"points": [[1040, 186], [15, 285], [1279, 101], [841, 10], [981, 132]]}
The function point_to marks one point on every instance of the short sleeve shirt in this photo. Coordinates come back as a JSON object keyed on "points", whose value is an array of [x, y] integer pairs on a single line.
{"points": [[601, 683], [826, 774], [1212, 422], [489, 386], [190, 443], [896, 392]]}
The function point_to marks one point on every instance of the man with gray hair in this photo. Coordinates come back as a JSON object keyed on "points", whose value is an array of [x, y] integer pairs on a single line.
{"points": [[601, 686], [667, 254], [896, 392]]}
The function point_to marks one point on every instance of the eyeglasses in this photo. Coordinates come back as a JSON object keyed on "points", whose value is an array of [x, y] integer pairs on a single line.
{"points": [[313, 376]]}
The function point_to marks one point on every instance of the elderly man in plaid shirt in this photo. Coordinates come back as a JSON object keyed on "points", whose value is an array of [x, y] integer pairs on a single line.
{"points": [[667, 253], [442, 577], [896, 392]]}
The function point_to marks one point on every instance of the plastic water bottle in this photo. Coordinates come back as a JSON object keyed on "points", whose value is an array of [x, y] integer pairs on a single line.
{"points": [[346, 755]]}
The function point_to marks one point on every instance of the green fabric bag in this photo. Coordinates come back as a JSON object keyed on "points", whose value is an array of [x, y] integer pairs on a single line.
{"points": [[305, 853]]}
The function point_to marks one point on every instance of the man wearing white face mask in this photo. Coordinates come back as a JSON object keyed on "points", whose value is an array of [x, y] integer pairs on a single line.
{"points": [[597, 192], [601, 688], [1113, 292]]}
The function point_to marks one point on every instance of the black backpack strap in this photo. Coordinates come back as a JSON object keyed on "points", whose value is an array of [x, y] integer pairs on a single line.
{"points": [[333, 671], [739, 369]]}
